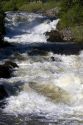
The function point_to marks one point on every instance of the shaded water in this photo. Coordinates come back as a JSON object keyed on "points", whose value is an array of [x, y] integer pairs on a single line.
{"points": [[50, 84]]}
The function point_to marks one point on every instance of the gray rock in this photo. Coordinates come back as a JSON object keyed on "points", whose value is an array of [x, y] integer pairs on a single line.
{"points": [[53, 12], [67, 34]]}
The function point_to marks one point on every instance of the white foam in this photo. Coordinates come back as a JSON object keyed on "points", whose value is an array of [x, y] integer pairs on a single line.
{"points": [[50, 73], [24, 27], [33, 103], [65, 72]]}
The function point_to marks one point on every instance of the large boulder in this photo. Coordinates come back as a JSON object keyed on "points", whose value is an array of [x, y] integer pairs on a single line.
{"points": [[54, 36], [64, 35], [6, 69]]}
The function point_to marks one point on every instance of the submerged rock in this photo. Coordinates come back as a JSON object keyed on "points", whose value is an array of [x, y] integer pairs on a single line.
{"points": [[19, 56], [53, 92], [55, 59], [35, 52], [7, 90], [6, 69], [52, 58]]}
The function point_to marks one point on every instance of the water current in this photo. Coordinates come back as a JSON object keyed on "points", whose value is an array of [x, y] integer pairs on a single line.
{"points": [[50, 84]]}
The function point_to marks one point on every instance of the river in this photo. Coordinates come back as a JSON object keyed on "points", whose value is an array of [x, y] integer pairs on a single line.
{"points": [[50, 83]]}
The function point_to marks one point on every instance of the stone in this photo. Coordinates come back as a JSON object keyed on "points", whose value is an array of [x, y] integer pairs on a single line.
{"points": [[6, 69], [67, 34], [54, 36], [10, 63]]}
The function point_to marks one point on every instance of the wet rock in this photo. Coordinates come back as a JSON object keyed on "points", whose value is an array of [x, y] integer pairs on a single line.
{"points": [[19, 56], [10, 63], [54, 36], [6, 69], [64, 35], [52, 58], [8, 89], [3, 92], [56, 59]]}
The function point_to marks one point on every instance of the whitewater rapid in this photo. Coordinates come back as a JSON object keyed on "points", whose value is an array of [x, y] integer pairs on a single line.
{"points": [[28, 28], [51, 88]]}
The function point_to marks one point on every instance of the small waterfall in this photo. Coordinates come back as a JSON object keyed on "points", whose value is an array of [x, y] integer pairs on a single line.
{"points": [[27, 28]]}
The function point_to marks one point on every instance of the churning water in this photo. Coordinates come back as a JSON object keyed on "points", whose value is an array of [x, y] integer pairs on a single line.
{"points": [[50, 84]]}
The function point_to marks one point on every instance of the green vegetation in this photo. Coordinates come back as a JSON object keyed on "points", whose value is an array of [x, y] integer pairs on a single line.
{"points": [[29, 6], [72, 16]]}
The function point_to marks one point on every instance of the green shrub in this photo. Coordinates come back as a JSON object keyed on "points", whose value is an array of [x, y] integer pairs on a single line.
{"points": [[9, 5], [77, 33], [31, 7]]}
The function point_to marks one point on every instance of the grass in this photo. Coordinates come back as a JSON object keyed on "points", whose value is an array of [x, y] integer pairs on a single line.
{"points": [[30, 7]]}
